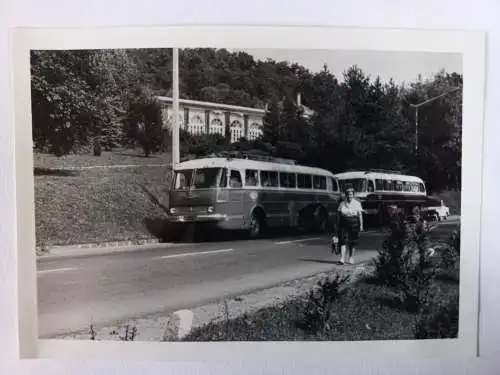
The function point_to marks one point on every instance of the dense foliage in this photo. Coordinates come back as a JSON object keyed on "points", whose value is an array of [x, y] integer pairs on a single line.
{"points": [[87, 96], [405, 263]]}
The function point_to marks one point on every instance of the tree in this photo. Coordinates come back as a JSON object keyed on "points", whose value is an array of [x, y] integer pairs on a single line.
{"points": [[145, 122], [78, 96], [272, 128], [112, 77], [91, 97], [62, 103]]}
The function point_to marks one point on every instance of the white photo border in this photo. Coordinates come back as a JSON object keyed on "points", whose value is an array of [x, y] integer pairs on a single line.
{"points": [[471, 44]]}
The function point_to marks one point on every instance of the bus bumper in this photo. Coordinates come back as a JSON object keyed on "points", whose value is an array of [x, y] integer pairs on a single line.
{"points": [[200, 218]]}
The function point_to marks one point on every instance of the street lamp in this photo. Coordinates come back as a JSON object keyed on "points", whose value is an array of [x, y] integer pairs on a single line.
{"points": [[417, 106]]}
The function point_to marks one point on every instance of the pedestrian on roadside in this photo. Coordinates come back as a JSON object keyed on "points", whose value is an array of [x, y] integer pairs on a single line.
{"points": [[350, 223]]}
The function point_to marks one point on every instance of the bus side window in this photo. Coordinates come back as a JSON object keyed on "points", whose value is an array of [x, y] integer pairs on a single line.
{"points": [[389, 185], [335, 184], [371, 188], [235, 180], [331, 184], [223, 178], [304, 181], [287, 180], [422, 187], [284, 180], [269, 179], [319, 182], [251, 177], [379, 184]]}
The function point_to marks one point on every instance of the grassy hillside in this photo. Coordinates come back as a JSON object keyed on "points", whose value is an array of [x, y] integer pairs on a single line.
{"points": [[101, 204]]}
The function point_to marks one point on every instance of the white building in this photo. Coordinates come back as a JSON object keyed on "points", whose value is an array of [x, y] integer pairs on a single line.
{"points": [[200, 117]]}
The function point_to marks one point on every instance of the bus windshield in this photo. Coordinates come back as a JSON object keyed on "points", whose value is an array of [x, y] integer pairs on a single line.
{"points": [[204, 178], [358, 184]]}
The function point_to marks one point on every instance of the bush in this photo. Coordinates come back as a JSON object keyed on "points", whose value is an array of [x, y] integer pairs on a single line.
{"points": [[97, 147], [405, 264], [144, 122], [317, 311], [450, 254], [455, 241], [441, 324], [389, 262]]}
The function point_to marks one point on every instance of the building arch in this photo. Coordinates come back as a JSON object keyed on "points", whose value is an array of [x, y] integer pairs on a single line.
{"points": [[196, 125], [254, 131], [217, 127], [237, 131]]}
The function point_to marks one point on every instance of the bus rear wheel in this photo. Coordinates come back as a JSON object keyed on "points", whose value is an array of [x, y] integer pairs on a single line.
{"points": [[256, 226]]}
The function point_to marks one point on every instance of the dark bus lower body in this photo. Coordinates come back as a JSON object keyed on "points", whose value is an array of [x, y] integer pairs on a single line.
{"points": [[379, 213]]}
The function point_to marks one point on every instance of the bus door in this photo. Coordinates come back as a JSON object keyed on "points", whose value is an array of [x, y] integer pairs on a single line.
{"points": [[236, 195], [271, 197]]}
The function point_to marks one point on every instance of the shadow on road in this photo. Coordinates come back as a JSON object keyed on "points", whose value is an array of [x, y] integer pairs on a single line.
{"points": [[323, 261], [137, 156], [55, 172]]}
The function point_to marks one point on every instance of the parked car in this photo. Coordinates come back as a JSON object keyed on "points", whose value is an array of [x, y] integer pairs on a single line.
{"points": [[436, 210]]}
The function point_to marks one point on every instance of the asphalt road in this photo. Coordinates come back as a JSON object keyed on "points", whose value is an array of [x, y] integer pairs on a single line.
{"points": [[101, 289]]}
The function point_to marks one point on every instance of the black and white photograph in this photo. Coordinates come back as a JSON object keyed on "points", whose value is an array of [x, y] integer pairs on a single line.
{"points": [[222, 194]]}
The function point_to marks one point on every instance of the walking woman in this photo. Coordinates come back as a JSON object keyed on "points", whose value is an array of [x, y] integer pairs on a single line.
{"points": [[350, 223]]}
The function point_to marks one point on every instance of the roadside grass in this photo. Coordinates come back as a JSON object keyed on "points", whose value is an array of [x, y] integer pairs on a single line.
{"points": [[371, 308], [364, 312], [99, 205]]}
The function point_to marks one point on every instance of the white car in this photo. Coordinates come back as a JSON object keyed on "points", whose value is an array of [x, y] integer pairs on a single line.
{"points": [[440, 211]]}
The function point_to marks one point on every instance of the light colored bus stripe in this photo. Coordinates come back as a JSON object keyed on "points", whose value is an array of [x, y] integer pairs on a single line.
{"points": [[57, 270], [194, 253], [299, 240]]}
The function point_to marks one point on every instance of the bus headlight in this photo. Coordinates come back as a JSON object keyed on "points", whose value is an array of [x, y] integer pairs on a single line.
{"points": [[210, 209], [173, 210]]}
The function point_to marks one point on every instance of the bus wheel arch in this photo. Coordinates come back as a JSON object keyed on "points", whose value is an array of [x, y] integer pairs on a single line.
{"points": [[306, 218]]}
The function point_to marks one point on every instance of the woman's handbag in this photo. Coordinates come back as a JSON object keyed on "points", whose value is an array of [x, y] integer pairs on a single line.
{"points": [[334, 243]]}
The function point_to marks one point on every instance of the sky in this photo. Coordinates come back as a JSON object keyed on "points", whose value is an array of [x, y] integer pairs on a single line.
{"points": [[400, 66]]}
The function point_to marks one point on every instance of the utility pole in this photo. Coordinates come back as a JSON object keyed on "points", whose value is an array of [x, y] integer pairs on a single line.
{"points": [[175, 108]]}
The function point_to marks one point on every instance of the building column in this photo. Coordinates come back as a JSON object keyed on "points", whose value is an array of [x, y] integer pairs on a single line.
{"points": [[207, 121], [245, 126], [186, 118], [228, 126]]}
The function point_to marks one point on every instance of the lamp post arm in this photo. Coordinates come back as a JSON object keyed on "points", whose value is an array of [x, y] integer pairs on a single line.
{"points": [[435, 98], [417, 106]]}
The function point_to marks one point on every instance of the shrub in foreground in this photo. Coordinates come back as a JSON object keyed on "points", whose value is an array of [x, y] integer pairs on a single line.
{"points": [[440, 323], [450, 257], [317, 312], [389, 262], [405, 264]]}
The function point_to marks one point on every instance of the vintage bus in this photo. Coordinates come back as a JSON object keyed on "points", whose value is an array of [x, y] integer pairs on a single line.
{"points": [[253, 194], [382, 192]]}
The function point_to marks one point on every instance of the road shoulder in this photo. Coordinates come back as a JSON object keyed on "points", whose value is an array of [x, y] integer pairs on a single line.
{"points": [[159, 327]]}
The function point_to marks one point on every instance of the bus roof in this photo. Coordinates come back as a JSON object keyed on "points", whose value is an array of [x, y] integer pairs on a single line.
{"points": [[378, 175], [250, 164]]}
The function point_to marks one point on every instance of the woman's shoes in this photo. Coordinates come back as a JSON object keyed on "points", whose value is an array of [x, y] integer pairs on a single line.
{"points": [[350, 261]]}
